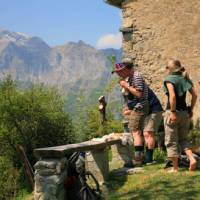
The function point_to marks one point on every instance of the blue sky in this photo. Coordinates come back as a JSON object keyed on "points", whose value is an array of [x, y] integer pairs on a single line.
{"points": [[60, 21]]}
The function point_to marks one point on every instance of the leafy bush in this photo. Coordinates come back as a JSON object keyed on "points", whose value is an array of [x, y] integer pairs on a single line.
{"points": [[9, 181], [194, 135], [33, 117], [90, 126], [159, 156]]}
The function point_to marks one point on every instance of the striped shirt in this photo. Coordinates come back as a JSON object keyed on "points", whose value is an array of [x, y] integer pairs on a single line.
{"points": [[137, 82]]}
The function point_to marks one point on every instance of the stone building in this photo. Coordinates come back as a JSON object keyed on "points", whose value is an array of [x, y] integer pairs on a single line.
{"points": [[156, 30]]}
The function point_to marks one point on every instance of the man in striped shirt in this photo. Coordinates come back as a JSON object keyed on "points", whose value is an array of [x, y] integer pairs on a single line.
{"points": [[137, 103]]}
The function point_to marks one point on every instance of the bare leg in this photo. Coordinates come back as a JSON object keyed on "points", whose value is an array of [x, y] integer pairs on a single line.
{"points": [[193, 162], [175, 163], [138, 139], [149, 139]]}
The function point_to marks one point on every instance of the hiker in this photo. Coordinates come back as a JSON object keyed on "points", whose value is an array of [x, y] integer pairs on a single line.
{"points": [[151, 125], [137, 103], [177, 116]]}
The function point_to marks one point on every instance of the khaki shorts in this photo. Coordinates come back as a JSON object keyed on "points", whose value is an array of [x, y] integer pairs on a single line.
{"points": [[176, 133], [152, 122], [136, 119]]}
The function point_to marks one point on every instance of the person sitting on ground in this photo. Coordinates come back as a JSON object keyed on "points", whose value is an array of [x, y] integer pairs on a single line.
{"points": [[177, 116], [137, 103]]}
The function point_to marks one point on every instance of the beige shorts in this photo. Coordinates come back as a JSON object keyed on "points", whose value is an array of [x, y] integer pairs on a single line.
{"points": [[152, 122], [136, 119], [176, 133]]}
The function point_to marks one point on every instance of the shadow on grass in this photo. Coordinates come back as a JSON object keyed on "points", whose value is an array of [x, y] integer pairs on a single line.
{"points": [[170, 188], [117, 180]]}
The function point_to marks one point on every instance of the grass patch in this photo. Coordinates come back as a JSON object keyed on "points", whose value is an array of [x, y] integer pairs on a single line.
{"points": [[24, 195], [155, 184], [152, 184]]}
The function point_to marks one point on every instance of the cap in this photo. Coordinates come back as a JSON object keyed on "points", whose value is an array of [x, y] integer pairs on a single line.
{"points": [[118, 67]]}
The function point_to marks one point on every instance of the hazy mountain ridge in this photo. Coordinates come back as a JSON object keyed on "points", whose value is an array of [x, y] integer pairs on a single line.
{"points": [[30, 58], [75, 68]]}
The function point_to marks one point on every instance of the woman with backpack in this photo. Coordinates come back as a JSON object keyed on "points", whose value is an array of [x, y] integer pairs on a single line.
{"points": [[177, 116]]}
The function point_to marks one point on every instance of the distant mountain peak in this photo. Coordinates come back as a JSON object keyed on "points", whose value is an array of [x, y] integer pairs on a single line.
{"points": [[9, 36], [79, 43], [23, 35], [30, 58]]}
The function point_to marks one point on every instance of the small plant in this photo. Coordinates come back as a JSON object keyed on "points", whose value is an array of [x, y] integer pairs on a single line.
{"points": [[9, 182], [194, 135], [159, 155]]}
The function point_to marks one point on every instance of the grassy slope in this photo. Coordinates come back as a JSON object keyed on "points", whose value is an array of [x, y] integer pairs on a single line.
{"points": [[156, 184], [152, 184]]}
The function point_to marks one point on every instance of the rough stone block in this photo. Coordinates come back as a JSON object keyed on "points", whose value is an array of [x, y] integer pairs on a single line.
{"points": [[127, 46], [127, 12], [49, 179], [98, 164], [122, 154], [57, 164], [127, 22], [127, 37]]}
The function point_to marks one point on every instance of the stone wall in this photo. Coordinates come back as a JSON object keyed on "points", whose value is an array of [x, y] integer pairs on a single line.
{"points": [[97, 162], [49, 179], [156, 30], [51, 168]]}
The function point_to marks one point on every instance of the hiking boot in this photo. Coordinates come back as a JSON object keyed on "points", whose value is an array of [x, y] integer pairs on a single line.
{"points": [[129, 164], [138, 163]]}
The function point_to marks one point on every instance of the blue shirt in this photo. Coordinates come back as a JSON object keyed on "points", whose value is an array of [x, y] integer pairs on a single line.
{"points": [[154, 103]]}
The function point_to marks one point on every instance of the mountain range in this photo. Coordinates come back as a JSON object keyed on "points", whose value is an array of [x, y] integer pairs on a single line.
{"points": [[75, 68]]}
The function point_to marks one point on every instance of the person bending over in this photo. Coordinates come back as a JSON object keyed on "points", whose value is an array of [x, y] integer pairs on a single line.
{"points": [[137, 103]]}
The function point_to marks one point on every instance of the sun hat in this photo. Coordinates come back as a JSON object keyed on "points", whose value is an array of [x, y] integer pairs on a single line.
{"points": [[127, 63], [118, 67]]}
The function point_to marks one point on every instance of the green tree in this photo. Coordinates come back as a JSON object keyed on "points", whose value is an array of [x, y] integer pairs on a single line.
{"points": [[32, 117], [93, 127], [88, 120]]}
